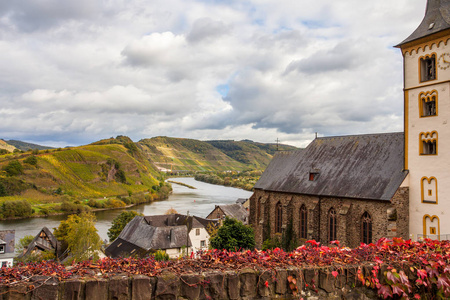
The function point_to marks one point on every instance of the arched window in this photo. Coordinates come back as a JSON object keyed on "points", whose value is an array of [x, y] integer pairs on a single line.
{"points": [[366, 228], [278, 217], [332, 224], [303, 222]]}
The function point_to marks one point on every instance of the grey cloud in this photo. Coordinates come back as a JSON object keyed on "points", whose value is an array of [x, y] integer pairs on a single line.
{"points": [[340, 58], [205, 29], [31, 15]]}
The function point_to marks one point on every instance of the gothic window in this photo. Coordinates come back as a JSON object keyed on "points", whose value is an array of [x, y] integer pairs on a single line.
{"points": [[332, 224], [428, 188], [258, 210], [366, 228], [303, 222], [428, 143], [278, 217], [428, 103], [428, 67]]}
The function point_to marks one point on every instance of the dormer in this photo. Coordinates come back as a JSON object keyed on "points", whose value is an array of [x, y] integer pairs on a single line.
{"points": [[2, 247]]}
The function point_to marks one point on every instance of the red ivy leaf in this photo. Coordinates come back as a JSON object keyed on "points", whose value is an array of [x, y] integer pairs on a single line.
{"points": [[335, 273], [385, 291]]}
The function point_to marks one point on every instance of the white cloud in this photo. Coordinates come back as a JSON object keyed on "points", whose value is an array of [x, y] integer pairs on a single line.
{"points": [[77, 71]]}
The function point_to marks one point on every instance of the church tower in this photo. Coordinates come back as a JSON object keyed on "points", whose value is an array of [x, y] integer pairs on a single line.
{"points": [[426, 65]]}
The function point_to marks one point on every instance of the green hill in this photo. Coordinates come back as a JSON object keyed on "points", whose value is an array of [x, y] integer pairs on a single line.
{"points": [[79, 174], [178, 154], [254, 155]]}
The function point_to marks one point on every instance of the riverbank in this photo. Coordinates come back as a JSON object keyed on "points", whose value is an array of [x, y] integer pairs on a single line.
{"points": [[183, 184]]}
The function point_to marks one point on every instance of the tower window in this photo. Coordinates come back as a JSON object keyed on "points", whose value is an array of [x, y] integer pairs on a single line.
{"points": [[428, 143], [428, 102], [429, 190], [428, 68]]}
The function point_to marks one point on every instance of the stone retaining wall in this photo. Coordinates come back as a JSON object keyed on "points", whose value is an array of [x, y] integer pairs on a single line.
{"points": [[313, 283]]}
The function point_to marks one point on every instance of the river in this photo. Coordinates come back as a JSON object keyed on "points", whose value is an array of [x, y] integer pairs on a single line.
{"points": [[199, 202]]}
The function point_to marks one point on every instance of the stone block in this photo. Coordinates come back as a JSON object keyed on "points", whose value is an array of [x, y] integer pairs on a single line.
{"points": [[266, 290], [215, 286], [281, 281], [142, 287], [233, 285], [248, 279], [296, 274], [352, 276], [167, 286], [311, 276], [119, 288], [96, 289], [326, 280], [191, 286], [72, 290], [45, 288], [21, 291]]}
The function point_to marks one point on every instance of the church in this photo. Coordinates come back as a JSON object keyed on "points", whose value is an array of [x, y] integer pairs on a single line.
{"points": [[359, 188]]}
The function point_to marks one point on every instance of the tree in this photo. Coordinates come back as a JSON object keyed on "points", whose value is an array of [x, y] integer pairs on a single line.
{"points": [[233, 236], [31, 160], [119, 223], [170, 211], [80, 236], [23, 243]]}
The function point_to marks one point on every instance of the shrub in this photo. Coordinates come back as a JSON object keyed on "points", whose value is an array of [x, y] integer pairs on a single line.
{"points": [[3, 151], [31, 160], [16, 208], [120, 176], [161, 256], [13, 168], [114, 203], [70, 207]]}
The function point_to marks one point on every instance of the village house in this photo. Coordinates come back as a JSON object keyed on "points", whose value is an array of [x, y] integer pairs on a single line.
{"points": [[175, 234], [235, 211], [44, 241], [7, 248]]}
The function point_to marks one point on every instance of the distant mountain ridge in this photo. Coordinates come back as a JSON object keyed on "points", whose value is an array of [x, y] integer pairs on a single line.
{"points": [[26, 146]]}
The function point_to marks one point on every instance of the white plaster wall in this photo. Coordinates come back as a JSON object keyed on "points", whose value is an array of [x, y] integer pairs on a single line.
{"points": [[428, 165], [196, 239]]}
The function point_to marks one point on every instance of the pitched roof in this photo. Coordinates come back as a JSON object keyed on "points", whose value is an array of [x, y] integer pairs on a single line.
{"points": [[360, 166], [437, 18], [235, 210], [152, 233], [38, 242]]}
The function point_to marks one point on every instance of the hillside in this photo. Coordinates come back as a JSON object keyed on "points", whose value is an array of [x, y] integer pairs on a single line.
{"points": [[253, 154], [6, 146], [77, 175], [177, 154]]}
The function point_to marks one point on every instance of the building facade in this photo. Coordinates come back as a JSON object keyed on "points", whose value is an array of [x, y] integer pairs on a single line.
{"points": [[347, 188], [426, 56]]}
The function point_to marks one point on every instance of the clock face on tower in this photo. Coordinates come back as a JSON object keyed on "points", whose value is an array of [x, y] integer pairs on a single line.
{"points": [[444, 61]]}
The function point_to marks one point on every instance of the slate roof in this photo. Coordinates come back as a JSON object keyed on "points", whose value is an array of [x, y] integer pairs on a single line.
{"points": [[236, 211], [359, 166], [151, 233], [437, 18]]}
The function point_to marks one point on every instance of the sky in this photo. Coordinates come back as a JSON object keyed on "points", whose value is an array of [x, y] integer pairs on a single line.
{"points": [[76, 71]]}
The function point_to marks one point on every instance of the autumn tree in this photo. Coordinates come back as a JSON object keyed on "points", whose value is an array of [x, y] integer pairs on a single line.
{"points": [[119, 223], [80, 236], [233, 236], [170, 211]]}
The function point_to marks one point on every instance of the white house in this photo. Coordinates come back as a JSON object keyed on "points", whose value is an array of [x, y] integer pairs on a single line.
{"points": [[7, 247]]}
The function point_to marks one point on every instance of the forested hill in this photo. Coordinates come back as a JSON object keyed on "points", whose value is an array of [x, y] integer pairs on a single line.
{"points": [[253, 154], [179, 154]]}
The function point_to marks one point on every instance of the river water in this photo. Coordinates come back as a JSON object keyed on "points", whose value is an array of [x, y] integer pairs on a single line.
{"points": [[199, 202]]}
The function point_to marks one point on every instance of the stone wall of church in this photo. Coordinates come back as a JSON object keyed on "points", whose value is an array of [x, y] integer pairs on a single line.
{"points": [[389, 218]]}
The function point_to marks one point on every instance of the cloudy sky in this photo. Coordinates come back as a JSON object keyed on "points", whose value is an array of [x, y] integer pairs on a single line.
{"points": [[76, 71]]}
